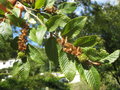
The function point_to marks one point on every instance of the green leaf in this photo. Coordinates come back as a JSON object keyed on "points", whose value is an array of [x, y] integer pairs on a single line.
{"points": [[21, 70], [2, 13], [5, 30], [38, 35], [80, 70], [112, 57], [55, 21], [16, 12], [67, 66], [51, 50], [32, 35], [15, 20], [41, 30], [39, 4], [49, 3], [93, 78], [36, 54], [4, 2], [16, 66], [24, 70], [86, 41], [73, 28], [95, 55], [67, 7]]}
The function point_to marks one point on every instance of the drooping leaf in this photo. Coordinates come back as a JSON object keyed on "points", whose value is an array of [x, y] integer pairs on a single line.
{"points": [[67, 7], [36, 54], [38, 35], [39, 4], [86, 41], [51, 50], [93, 78], [5, 30], [55, 21], [111, 58], [21, 70], [73, 28], [67, 66], [49, 3]]}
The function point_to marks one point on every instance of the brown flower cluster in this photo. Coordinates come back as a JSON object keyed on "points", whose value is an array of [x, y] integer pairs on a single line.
{"points": [[52, 9], [23, 39], [68, 47]]}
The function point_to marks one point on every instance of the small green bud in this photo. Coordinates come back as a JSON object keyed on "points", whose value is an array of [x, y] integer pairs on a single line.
{"points": [[83, 58], [21, 54]]}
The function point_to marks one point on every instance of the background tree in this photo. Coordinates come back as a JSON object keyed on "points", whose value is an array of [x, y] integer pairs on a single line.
{"points": [[104, 21]]}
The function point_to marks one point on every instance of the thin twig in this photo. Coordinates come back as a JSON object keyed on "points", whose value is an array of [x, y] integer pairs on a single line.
{"points": [[31, 13]]}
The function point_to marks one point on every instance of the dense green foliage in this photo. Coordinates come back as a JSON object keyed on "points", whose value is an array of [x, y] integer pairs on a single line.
{"points": [[40, 82], [56, 34], [104, 21]]}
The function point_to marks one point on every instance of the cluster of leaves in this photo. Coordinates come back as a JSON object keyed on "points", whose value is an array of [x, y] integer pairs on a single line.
{"points": [[6, 51], [45, 30], [36, 82], [103, 20]]}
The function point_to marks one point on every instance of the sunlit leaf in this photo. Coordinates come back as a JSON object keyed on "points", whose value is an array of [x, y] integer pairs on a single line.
{"points": [[67, 66], [86, 41], [32, 35], [55, 21], [39, 4], [80, 70], [36, 54], [5, 29], [93, 78], [73, 28], [95, 55], [37, 35], [67, 7], [41, 30], [21, 70], [112, 57], [16, 12], [49, 3], [32, 21]]}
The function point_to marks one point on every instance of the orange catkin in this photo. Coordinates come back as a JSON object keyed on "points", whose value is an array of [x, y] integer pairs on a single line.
{"points": [[23, 39], [68, 47]]}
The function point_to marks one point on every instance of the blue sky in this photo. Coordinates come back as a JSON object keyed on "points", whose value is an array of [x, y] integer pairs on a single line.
{"points": [[79, 9], [106, 1], [102, 1]]}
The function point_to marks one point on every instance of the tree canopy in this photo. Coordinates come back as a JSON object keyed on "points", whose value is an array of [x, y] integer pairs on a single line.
{"points": [[66, 42]]}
